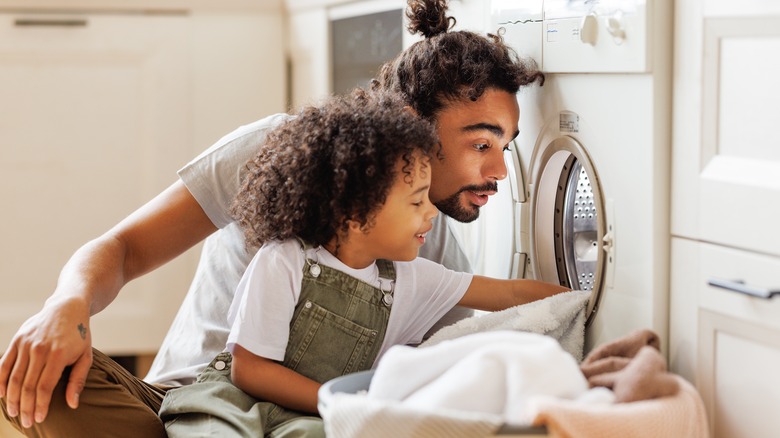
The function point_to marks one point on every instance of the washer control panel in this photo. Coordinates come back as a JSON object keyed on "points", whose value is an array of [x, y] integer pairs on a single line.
{"points": [[579, 36]]}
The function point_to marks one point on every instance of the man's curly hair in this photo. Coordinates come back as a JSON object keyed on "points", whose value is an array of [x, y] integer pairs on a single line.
{"points": [[329, 164], [451, 66]]}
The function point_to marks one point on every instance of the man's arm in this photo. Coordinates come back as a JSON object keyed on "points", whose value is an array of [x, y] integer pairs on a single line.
{"points": [[58, 336], [494, 294], [271, 381]]}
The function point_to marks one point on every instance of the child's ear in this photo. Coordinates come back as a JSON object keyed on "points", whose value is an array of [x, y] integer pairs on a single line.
{"points": [[356, 226]]}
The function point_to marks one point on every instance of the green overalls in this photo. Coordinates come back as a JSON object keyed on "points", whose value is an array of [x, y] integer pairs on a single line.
{"points": [[337, 328]]}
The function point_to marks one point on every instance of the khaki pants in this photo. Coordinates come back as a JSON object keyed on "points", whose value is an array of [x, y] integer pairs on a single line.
{"points": [[114, 403]]}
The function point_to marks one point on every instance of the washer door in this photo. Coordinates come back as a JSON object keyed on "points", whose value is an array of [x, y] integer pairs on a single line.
{"points": [[569, 241]]}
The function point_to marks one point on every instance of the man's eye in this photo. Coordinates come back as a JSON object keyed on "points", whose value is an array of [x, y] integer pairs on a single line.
{"points": [[507, 148], [481, 146]]}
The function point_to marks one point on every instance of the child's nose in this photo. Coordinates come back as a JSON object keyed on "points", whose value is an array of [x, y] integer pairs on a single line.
{"points": [[432, 210]]}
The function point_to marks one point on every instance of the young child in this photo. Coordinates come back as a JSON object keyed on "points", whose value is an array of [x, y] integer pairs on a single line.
{"points": [[337, 201]]}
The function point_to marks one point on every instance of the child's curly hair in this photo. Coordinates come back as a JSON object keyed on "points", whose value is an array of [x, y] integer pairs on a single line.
{"points": [[447, 66], [330, 164]]}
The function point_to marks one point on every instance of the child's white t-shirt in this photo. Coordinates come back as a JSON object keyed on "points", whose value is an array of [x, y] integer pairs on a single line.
{"points": [[266, 296]]}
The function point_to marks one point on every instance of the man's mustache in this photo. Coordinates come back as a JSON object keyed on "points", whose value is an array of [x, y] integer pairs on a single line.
{"points": [[487, 187]]}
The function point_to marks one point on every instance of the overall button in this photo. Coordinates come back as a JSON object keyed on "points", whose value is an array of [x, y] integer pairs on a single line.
{"points": [[219, 365]]}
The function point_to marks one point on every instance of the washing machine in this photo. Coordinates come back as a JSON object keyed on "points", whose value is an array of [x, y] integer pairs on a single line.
{"points": [[587, 197]]}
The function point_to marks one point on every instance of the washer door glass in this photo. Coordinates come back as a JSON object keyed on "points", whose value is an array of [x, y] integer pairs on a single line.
{"points": [[579, 229]]}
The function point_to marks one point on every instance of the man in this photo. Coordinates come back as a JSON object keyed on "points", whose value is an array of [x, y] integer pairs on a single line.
{"points": [[464, 82]]}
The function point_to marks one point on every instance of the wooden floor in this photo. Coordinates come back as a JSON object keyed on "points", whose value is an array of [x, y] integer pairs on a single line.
{"points": [[6, 431]]}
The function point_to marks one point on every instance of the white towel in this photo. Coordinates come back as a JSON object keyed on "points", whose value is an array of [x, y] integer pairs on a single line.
{"points": [[492, 372], [465, 387], [560, 316]]}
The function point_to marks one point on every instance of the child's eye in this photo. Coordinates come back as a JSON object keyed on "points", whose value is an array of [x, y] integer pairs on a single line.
{"points": [[417, 204]]}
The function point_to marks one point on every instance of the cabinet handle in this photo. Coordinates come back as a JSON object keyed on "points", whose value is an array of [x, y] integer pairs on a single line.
{"points": [[741, 287], [50, 22]]}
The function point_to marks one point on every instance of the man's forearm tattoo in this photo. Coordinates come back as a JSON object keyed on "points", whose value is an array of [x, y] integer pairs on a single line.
{"points": [[82, 331]]}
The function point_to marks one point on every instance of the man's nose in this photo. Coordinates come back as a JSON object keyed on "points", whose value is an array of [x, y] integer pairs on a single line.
{"points": [[495, 166]]}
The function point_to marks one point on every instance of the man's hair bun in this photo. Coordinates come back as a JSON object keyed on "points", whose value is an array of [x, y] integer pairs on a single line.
{"points": [[428, 17]]}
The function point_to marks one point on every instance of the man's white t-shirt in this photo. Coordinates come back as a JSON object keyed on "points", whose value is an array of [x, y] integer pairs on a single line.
{"points": [[200, 330], [266, 297]]}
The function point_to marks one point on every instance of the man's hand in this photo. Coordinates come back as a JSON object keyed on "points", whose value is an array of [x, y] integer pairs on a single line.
{"points": [[56, 337]]}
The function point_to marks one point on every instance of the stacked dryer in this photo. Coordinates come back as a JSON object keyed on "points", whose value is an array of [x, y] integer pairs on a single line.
{"points": [[589, 173]]}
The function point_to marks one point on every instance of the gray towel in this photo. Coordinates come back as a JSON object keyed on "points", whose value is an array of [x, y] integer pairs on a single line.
{"points": [[560, 316]]}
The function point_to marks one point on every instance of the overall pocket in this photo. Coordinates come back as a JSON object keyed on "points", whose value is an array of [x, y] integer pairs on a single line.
{"points": [[324, 345]]}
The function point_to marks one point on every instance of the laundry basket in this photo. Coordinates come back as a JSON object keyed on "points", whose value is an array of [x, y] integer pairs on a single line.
{"points": [[354, 383]]}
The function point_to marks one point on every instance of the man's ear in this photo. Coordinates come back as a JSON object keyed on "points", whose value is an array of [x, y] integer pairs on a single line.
{"points": [[411, 110]]}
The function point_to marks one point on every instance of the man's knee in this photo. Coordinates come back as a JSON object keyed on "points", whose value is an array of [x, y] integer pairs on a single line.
{"points": [[51, 426], [13, 421], [112, 403]]}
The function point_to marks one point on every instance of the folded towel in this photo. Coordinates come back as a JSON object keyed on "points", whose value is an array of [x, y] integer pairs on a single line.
{"points": [[632, 367], [561, 317], [624, 347], [644, 378], [680, 415]]}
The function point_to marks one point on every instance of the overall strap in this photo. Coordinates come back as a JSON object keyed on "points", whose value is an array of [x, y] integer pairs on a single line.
{"points": [[304, 244], [386, 269]]}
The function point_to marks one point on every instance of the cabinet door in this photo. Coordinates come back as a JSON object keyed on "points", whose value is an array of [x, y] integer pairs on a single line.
{"points": [[727, 156], [94, 121]]}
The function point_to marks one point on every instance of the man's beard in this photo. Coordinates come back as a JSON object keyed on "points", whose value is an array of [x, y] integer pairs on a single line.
{"points": [[452, 207]]}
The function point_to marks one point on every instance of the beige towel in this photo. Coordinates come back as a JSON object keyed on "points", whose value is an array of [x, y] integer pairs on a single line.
{"points": [[632, 367], [681, 415], [607, 358]]}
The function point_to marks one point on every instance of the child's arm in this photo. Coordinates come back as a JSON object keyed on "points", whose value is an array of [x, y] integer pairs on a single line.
{"points": [[493, 294], [271, 381]]}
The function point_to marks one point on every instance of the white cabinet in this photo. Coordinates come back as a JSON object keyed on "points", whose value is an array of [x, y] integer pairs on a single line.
{"points": [[726, 198], [98, 109]]}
